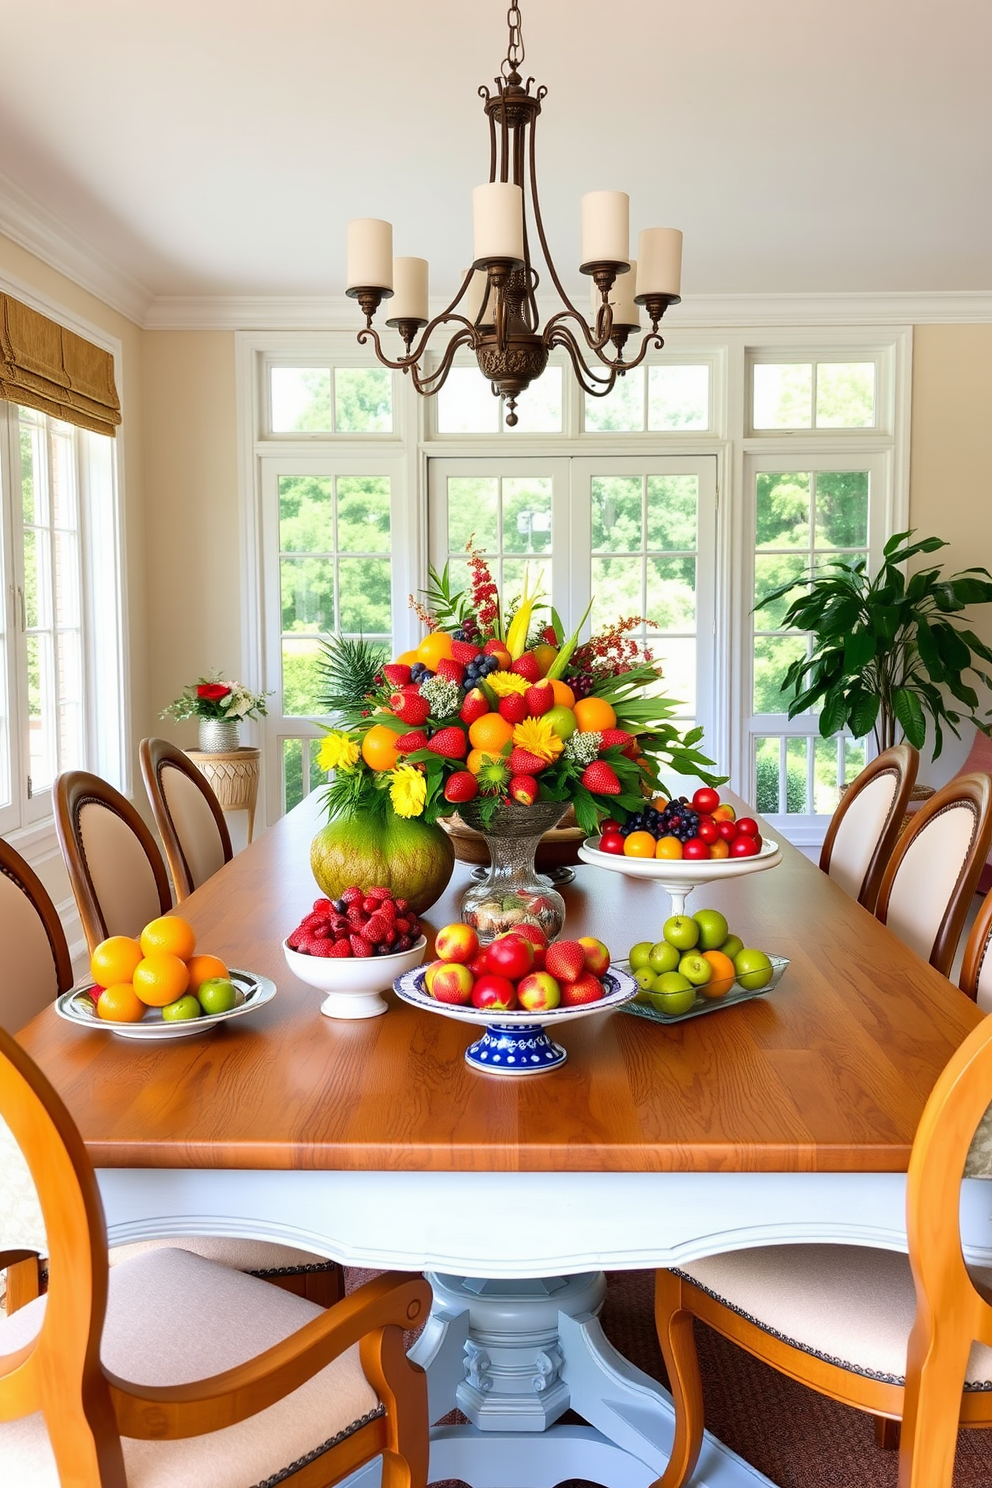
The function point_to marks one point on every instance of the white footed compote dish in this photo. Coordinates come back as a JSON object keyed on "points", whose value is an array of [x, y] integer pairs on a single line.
{"points": [[516, 1043], [679, 876], [353, 984]]}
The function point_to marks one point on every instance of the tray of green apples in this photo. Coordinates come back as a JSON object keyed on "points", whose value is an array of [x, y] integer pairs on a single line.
{"points": [[698, 966]]}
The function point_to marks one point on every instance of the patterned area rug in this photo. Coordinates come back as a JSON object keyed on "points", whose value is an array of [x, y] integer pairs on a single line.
{"points": [[795, 1437]]}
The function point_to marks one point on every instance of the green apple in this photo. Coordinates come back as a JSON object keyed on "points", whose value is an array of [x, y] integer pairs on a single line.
{"points": [[217, 995], [695, 968], [562, 720], [181, 1009], [732, 946], [713, 929], [644, 977], [639, 954], [681, 931], [753, 968], [675, 1002], [663, 957], [672, 981]]}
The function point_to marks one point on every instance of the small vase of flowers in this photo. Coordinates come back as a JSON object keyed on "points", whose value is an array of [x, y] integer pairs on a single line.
{"points": [[219, 708]]}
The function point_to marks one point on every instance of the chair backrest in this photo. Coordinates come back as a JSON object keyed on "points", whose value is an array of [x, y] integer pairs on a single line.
{"points": [[976, 968], [864, 828], [115, 869], [187, 814], [933, 873], [36, 963]]}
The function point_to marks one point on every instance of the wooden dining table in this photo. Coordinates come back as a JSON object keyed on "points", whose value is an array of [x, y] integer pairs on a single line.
{"points": [[789, 1117]]}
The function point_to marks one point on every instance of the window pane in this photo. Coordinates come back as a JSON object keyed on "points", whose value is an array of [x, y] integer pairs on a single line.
{"points": [[539, 406], [673, 501], [617, 514], [826, 790], [677, 659], [679, 397], [292, 772], [766, 776], [363, 514], [671, 593], [854, 758], [783, 395], [363, 400], [796, 782], [772, 657], [472, 507], [64, 512], [513, 577], [32, 490], [36, 588], [842, 509], [466, 405], [41, 712], [845, 395], [318, 777], [67, 610], [307, 594], [617, 587], [768, 574], [70, 692], [783, 510], [622, 410], [301, 682], [301, 399], [306, 514], [365, 597], [527, 515]]}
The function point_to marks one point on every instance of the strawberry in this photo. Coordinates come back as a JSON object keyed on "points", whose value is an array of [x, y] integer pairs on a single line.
{"points": [[585, 988], [356, 914], [475, 706], [526, 666], [616, 736], [565, 960], [451, 670], [376, 929], [601, 779], [352, 895], [539, 699], [410, 707], [369, 904], [359, 945], [295, 940], [339, 949], [449, 743], [464, 651], [415, 739], [403, 943], [322, 906], [513, 708], [401, 906], [397, 673], [402, 924], [461, 786], [522, 762], [523, 789], [493, 646], [378, 892], [548, 636]]}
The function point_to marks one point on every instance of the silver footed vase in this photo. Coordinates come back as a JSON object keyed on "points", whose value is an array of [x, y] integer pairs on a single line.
{"points": [[513, 892]]}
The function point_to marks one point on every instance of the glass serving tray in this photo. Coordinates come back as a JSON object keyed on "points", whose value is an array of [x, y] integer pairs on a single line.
{"points": [[705, 1004]]}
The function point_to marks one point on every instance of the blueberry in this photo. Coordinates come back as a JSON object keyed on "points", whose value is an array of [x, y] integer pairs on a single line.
{"points": [[457, 635]]}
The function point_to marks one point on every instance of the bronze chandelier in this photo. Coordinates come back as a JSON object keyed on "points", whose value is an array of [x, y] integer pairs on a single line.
{"points": [[500, 320]]}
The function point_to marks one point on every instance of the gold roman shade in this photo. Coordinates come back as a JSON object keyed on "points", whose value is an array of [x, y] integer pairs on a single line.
{"points": [[45, 366]]}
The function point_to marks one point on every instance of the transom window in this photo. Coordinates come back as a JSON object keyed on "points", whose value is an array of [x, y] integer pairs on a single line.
{"points": [[330, 400], [814, 395]]}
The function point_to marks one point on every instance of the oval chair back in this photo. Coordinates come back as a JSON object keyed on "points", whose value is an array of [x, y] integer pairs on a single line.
{"points": [[36, 959], [976, 968], [115, 869], [866, 824], [187, 814], [932, 876]]}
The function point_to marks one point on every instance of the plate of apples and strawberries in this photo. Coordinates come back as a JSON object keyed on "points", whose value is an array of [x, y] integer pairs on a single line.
{"points": [[516, 988]]}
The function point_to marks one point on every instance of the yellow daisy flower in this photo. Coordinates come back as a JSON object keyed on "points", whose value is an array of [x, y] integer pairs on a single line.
{"points": [[538, 737], [407, 790], [505, 683], [337, 752]]}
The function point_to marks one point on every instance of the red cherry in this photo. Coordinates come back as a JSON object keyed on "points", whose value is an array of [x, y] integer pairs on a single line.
{"points": [[611, 843], [705, 800], [744, 847], [708, 830], [728, 831], [609, 825], [748, 827], [695, 848]]}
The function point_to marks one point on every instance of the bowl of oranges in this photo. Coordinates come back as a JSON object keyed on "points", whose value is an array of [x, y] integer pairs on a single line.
{"points": [[160, 987]]}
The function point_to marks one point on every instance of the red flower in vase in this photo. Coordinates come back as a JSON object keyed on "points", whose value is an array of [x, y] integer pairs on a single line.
{"points": [[212, 691]]}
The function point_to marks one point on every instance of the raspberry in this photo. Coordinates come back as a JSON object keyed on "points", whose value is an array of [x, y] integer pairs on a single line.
{"points": [[360, 947], [324, 948]]}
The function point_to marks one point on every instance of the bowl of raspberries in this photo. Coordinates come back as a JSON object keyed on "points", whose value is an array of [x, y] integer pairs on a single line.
{"points": [[353, 948]]}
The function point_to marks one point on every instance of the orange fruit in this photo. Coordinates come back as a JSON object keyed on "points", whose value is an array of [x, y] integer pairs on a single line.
{"points": [[594, 715], [724, 813], [545, 655], [668, 847], [120, 1003], [408, 658], [722, 979], [169, 933], [490, 732], [202, 967], [160, 978], [720, 849], [434, 648], [659, 803], [114, 960], [563, 694], [379, 748], [639, 845], [477, 758]]}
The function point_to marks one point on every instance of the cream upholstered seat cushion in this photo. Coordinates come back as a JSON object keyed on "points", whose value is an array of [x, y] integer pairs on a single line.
{"points": [[173, 1317], [927, 875], [845, 1303], [230, 1250], [194, 823], [860, 828], [122, 876]]}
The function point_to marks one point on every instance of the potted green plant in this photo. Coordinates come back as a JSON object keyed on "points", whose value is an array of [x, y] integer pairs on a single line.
{"points": [[889, 652]]}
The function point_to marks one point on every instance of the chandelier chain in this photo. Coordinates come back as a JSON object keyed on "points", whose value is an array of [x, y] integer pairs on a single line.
{"points": [[515, 51]]}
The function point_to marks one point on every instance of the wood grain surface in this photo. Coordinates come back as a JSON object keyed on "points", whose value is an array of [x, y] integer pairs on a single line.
{"points": [[827, 1073]]}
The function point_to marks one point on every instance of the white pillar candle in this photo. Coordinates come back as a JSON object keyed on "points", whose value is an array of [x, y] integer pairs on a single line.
{"points": [[410, 293], [498, 222], [605, 227], [370, 254], [659, 255], [621, 297], [476, 294]]}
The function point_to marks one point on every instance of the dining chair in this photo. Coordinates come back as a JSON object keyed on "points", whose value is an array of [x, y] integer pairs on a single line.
{"points": [[866, 824], [37, 965], [928, 886], [187, 814], [115, 869], [976, 967], [903, 1337], [169, 1369]]}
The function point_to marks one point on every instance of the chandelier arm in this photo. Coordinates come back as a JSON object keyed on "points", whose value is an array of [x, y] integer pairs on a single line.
{"points": [[596, 387], [651, 340], [434, 381], [405, 364], [594, 343], [539, 221]]}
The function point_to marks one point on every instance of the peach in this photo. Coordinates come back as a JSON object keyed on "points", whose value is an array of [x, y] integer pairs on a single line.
{"points": [[538, 992], [597, 954], [456, 942], [453, 982]]}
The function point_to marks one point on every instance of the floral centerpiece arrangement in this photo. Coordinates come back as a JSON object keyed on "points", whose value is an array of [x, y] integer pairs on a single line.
{"points": [[499, 716], [219, 705]]}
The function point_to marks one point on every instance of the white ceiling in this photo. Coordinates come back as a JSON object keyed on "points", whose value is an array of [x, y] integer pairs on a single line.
{"points": [[218, 147]]}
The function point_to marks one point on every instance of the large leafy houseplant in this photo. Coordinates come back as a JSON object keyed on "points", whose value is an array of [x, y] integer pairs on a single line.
{"points": [[889, 652]]}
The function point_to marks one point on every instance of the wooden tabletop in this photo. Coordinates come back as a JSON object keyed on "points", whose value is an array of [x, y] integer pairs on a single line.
{"points": [[829, 1072]]}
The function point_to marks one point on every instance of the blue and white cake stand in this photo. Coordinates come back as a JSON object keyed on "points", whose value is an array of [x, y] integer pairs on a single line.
{"points": [[515, 1043]]}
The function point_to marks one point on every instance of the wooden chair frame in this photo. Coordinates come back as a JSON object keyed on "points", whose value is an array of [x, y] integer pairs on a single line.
{"points": [[902, 761], [975, 791], [13, 866], [157, 756], [73, 791], [950, 1312], [87, 1409], [977, 947]]}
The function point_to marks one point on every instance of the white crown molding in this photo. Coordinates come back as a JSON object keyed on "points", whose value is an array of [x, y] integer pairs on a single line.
{"points": [[38, 231], [295, 313]]}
